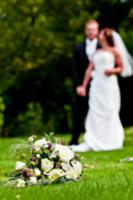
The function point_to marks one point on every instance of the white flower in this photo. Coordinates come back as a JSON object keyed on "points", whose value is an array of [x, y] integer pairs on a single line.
{"points": [[38, 155], [39, 144], [74, 171], [130, 159], [64, 152], [55, 174], [20, 165], [71, 174], [20, 183], [33, 180], [37, 172], [77, 167], [65, 166], [36, 148], [46, 165], [31, 138]]}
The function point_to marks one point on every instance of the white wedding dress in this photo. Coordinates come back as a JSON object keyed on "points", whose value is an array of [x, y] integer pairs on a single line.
{"points": [[104, 130]]}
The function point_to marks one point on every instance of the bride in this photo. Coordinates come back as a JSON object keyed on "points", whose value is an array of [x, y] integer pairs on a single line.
{"points": [[104, 130]]}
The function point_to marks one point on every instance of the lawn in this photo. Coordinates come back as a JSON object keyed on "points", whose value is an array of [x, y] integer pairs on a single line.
{"points": [[105, 177]]}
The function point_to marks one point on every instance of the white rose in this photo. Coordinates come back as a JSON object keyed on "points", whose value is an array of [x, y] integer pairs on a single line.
{"points": [[33, 180], [37, 172], [65, 166], [55, 174], [20, 183], [74, 171], [71, 174], [77, 167], [46, 165], [20, 165], [39, 144], [64, 152]]}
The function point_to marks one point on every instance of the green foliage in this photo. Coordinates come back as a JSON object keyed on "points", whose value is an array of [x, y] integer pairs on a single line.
{"points": [[37, 42], [29, 122], [2, 109]]}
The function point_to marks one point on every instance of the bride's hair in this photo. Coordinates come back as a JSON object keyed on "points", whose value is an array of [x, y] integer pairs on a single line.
{"points": [[108, 33]]}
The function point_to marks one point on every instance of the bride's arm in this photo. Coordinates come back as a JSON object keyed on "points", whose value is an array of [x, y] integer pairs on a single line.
{"points": [[87, 75], [81, 90], [119, 65]]}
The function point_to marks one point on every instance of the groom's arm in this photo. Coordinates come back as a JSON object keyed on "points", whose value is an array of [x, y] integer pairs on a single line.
{"points": [[75, 67]]}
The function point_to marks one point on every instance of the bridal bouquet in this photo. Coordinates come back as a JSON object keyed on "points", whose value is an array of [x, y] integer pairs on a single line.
{"points": [[48, 162]]}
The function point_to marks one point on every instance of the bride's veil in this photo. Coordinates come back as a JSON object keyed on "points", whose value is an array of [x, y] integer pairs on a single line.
{"points": [[127, 59]]}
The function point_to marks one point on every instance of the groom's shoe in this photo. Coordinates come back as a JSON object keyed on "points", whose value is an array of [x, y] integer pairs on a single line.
{"points": [[72, 142]]}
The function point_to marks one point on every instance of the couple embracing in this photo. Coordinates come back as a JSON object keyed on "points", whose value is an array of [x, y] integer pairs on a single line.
{"points": [[97, 63]]}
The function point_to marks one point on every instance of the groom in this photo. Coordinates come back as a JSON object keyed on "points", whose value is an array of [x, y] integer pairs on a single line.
{"points": [[81, 59]]}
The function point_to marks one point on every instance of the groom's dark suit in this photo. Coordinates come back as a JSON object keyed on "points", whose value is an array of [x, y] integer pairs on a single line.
{"points": [[80, 63]]}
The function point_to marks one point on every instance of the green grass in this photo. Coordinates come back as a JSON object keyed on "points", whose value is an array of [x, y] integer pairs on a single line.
{"points": [[105, 177]]}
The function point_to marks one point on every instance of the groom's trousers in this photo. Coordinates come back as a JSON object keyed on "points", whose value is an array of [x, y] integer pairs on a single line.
{"points": [[80, 112]]}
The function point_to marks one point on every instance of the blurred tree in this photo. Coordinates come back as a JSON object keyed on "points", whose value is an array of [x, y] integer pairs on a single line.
{"points": [[37, 41], [2, 109]]}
